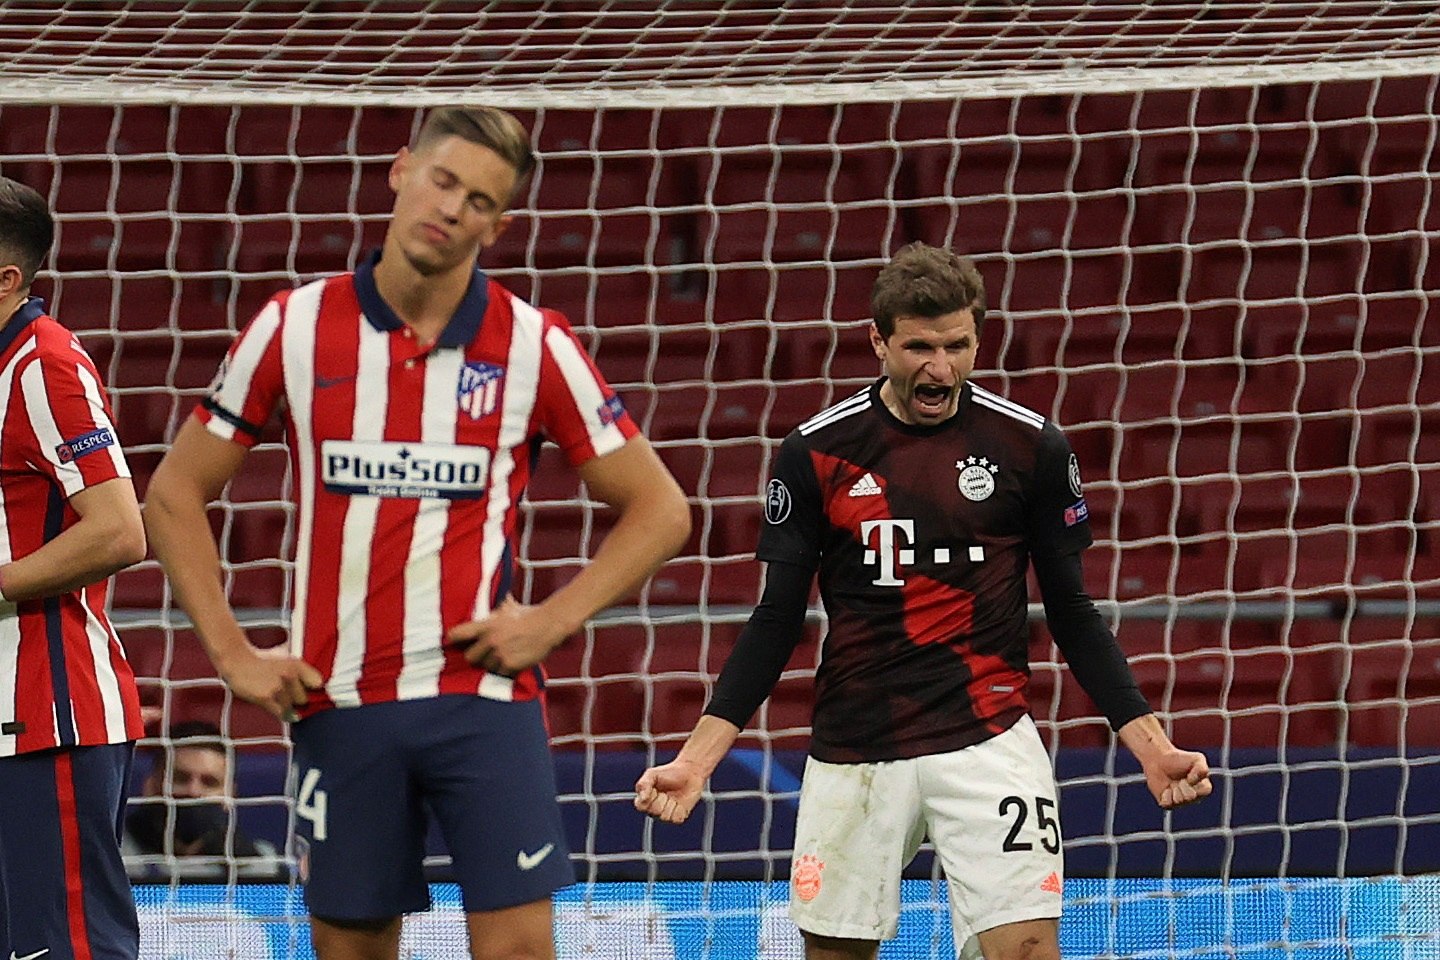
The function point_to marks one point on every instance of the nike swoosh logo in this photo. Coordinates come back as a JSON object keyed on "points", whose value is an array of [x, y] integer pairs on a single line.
{"points": [[523, 860], [30, 956], [320, 384]]}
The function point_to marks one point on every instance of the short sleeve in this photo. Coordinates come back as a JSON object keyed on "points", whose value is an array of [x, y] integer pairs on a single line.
{"points": [[71, 429], [251, 380], [1059, 519], [575, 406], [794, 512]]}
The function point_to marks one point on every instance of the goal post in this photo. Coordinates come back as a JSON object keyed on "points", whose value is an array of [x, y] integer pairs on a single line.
{"points": [[1208, 234]]}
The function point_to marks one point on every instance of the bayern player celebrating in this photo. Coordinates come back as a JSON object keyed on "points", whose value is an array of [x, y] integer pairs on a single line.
{"points": [[922, 501], [416, 393], [69, 710]]}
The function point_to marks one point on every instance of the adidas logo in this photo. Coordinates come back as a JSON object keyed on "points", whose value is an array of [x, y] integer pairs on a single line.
{"points": [[1051, 884], [865, 487]]}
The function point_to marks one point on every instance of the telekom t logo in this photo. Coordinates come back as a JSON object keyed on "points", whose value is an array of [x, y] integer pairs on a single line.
{"points": [[885, 549]]}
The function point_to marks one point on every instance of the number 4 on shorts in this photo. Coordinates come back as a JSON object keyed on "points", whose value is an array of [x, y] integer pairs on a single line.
{"points": [[311, 804]]}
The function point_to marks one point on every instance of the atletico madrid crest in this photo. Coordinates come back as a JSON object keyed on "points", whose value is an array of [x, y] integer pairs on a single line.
{"points": [[479, 390]]}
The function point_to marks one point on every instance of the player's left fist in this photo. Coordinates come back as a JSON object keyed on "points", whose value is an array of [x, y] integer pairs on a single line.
{"points": [[1178, 777]]}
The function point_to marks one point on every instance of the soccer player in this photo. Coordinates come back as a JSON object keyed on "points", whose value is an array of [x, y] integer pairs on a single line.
{"points": [[416, 393], [922, 501], [69, 710]]}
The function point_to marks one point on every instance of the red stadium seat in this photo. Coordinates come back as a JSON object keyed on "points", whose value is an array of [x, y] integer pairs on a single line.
{"points": [[319, 131], [797, 206], [1242, 698], [1021, 224], [335, 187], [1064, 715], [1392, 693], [308, 248], [740, 469], [1281, 272], [831, 291], [832, 352]]}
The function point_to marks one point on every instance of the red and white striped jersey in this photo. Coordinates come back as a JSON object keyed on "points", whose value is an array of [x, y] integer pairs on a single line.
{"points": [[409, 465], [64, 680]]}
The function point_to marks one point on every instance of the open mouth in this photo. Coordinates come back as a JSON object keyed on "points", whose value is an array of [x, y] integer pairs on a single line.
{"points": [[932, 399]]}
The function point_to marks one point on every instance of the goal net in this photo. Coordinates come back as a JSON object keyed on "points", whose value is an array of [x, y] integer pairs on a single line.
{"points": [[1208, 235]]}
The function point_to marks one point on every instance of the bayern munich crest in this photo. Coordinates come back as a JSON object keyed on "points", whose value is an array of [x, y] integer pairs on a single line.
{"points": [[977, 477], [478, 393]]}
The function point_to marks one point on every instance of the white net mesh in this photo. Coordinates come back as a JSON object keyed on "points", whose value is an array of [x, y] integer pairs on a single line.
{"points": [[1207, 232]]}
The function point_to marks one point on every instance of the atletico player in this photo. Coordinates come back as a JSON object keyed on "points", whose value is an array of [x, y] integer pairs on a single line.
{"points": [[922, 501], [415, 394], [69, 710]]}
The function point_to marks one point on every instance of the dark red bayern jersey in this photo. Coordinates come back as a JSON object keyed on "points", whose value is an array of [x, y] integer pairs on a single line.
{"points": [[922, 537]]}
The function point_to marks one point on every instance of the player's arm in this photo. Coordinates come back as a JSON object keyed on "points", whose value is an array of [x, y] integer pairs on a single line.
{"points": [[652, 525], [108, 537], [192, 474], [670, 791], [1174, 776]]}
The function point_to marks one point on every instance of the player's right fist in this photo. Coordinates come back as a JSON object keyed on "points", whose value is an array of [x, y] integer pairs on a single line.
{"points": [[670, 791]]}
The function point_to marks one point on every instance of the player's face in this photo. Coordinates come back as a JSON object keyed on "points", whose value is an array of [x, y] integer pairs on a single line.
{"points": [[450, 199], [197, 773], [926, 361]]}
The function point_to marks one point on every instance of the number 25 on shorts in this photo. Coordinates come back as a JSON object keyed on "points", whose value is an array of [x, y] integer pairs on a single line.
{"points": [[1049, 826]]}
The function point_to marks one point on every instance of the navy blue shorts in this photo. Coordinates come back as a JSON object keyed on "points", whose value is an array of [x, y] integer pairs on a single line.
{"points": [[368, 777], [62, 882]]}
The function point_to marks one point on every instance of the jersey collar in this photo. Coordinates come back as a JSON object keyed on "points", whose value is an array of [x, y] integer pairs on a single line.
{"points": [[463, 325], [29, 311]]}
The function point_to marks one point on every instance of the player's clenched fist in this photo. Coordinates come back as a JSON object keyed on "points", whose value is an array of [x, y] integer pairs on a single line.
{"points": [[1178, 777], [670, 791]]}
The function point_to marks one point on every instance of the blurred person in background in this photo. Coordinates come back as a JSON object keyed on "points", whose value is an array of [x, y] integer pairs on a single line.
{"points": [[183, 822]]}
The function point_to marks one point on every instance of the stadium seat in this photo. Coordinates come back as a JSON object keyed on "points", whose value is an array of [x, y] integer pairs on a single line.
{"points": [[737, 469], [607, 299], [835, 292], [829, 351], [999, 166], [276, 132], [1019, 223], [1040, 282], [1281, 272], [235, 718], [356, 186], [600, 211], [308, 248], [1065, 718], [1241, 698], [799, 206], [1392, 689]]}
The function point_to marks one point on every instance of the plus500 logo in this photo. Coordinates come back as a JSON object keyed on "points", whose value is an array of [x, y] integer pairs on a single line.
{"points": [[412, 470]]}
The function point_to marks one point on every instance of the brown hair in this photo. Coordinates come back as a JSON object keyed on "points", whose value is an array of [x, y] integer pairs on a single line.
{"points": [[27, 230], [925, 281], [489, 127]]}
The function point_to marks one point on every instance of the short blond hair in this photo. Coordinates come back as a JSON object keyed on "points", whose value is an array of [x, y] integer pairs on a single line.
{"points": [[487, 126]]}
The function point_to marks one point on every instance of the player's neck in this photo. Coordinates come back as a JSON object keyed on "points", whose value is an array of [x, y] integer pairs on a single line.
{"points": [[9, 306], [425, 304]]}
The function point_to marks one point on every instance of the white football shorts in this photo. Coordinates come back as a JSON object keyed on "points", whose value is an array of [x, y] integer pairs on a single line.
{"points": [[990, 809]]}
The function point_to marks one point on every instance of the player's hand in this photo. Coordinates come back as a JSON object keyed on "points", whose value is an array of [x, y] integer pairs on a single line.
{"points": [[1177, 777], [515, 636], [273, 680], [670, 791]]}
